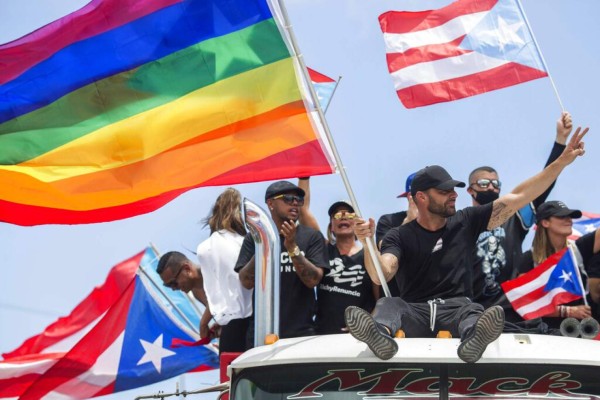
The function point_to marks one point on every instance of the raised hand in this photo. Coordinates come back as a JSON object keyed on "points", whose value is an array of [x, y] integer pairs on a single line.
{"points": [[576, 147], [564, 127], [288, 231]]}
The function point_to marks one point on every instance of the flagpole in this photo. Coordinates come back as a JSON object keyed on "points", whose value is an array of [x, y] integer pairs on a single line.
{"points": [[579, 280], [332, 93], [541, 55], [370, 242]]}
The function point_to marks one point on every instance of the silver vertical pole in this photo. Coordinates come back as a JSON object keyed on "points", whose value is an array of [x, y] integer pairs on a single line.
{"points": [[266, 271], [370, 241]]}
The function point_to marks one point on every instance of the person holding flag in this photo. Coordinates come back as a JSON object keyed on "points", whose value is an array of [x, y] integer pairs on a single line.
{"points": [[431, 261], [498, 251], [554, 225]]}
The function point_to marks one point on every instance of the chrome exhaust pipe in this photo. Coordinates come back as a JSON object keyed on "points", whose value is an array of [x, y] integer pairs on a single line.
{"points": [[589, 328], [266, 274], [570, 327]]}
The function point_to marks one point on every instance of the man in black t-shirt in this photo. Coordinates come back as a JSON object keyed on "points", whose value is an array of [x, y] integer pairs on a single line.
{"points": [[498, 251], [431, 260], [303, 261]]}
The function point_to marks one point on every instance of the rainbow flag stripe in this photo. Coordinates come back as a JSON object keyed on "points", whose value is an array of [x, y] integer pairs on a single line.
{"points": [[120, 107]]}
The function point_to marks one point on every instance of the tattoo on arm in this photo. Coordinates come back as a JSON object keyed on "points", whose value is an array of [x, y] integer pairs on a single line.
{"points": [[500, 213], [389, 265], [307, 272]]}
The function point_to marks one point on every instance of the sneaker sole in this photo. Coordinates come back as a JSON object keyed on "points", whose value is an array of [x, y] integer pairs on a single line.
{"points": [[487, 329], [363, 327]]}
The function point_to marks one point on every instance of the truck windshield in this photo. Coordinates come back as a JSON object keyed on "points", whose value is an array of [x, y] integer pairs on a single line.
{"points": [[431, 381]]}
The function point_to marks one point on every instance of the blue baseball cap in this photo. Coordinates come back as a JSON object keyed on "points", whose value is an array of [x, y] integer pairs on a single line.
{"points": [[408, 183]]}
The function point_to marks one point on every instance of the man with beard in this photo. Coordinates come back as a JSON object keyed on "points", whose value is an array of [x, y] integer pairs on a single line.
{"points": [[498, 251], [431, 259], [303, 261]]}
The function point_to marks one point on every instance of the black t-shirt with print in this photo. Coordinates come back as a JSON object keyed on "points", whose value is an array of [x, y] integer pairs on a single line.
{"points": [[297, 301], [497, 256], [437, 264], [347, 283], [498, 252]]}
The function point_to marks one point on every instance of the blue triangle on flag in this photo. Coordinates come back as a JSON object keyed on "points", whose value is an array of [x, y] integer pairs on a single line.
{"points": [[564, 276], [503, 34], [147, 355]]}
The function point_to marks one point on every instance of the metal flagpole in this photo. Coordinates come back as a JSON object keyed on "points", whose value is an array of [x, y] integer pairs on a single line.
{"points": [[370, 241], [540, 53]]}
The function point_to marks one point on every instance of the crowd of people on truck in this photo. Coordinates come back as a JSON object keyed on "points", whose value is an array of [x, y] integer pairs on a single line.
{"points": [[444, 267]]}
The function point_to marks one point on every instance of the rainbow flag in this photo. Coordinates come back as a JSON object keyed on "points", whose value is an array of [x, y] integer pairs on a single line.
{"points": [[121, 106]]}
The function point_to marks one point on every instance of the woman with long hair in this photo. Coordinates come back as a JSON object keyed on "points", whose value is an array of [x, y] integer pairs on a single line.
{"points": [[554, 225], [230, 304]]}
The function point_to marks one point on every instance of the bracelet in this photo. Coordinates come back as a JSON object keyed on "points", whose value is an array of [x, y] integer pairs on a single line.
{"points": [[561, 310], [568, 311]]}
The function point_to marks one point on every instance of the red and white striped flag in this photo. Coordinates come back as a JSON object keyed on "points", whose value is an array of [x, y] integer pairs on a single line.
{"points": [[537, 293], [466, 48]]}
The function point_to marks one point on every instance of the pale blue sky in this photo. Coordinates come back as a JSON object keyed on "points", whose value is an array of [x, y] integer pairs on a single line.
{"points": [[49, 269]]}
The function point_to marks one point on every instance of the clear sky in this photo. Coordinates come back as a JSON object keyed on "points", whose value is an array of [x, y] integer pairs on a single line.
{"points": [[48, 269]]}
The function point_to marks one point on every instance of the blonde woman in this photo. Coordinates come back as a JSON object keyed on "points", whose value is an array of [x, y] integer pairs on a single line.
{"points": [[554, 225], [347, 283]]}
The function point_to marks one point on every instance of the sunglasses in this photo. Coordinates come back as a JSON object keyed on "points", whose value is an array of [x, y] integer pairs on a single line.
{"points": [[343, 215], [172, 284], [484, 183], [290, 198]]}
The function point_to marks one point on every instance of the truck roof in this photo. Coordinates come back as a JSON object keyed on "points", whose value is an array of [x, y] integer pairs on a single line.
{"points": [[343, 348]]}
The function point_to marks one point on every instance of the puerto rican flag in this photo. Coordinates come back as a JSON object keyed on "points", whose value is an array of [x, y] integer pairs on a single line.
{"points": [[538, 292], [464, 49], [122, 336], [587, 223], [324, 86]]}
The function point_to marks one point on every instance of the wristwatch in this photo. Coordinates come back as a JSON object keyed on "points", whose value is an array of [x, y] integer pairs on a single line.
{"points": [[295, 252]]}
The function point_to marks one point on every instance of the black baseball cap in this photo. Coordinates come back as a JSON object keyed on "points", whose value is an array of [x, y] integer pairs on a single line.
{"points": [[335, 205], [282, 187], [407, 187], [555, 209], [433, 176]]}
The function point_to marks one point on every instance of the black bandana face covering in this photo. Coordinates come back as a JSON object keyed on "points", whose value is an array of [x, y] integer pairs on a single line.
{"points": [[486, 196]]}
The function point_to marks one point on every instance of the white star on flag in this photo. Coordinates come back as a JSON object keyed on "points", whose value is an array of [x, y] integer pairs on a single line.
{"points": [[565, 276], [504, 35], [590, 228], [154, 352]]}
